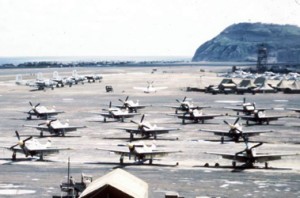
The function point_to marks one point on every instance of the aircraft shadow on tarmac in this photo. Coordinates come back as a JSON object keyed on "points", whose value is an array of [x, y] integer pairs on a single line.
{"points": [[139, 139], [52, 136], [118, 165], [240, 168], [29, 159]]}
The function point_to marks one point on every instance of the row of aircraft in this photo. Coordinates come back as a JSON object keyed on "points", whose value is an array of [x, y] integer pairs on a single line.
{"points": [[41, 83], [141, 152]]}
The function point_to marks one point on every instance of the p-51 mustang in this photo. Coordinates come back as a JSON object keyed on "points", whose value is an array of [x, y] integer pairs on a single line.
{"points": [[31, 147], [130, 105], [145, 129], [235, 132], [150, 88], [248, 156], [195, 115], [41, 112], [116, 113], [260, 117], [247, 108], [185, 105], [140, 152], [55, 127]]}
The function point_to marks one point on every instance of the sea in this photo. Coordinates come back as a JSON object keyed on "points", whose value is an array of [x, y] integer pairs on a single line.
{"points": [[74, 59]]}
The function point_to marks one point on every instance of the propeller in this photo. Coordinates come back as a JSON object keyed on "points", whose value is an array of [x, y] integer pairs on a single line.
{"points": [[233, 126], [110, 104], [21, 143], [140, 125], [33, 107], [125, 104], [48, 122], [244, 100], [182, 100]]}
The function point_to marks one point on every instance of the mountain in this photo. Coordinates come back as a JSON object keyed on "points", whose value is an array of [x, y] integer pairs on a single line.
{"points": [[239, 42]]}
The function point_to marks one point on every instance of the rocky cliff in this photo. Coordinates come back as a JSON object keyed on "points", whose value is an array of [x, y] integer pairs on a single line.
{"points": [[239, 42]]}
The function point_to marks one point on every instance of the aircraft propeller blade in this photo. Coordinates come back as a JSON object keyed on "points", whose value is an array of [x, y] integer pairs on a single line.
{"points": [[226, 122], [257, 145], [30, 104], [37, 105], [142, 118], [178, 101], [184, 99], [27, 139], [121, 101], [110, 104], [236, 121], [244, 100], [14, 146], [134, 122], [126, 98], [17, 134]]}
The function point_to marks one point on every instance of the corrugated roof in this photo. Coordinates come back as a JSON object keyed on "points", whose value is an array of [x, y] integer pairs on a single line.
{"points": [[283, 84], [121, 180]]}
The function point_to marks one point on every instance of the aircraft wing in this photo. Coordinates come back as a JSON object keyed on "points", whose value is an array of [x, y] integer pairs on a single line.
{"points": [[230, 156], [121, 151], [294, 109], [270, 157], [127, 115], [42, 127], [154, 153], [253, 133], [69, 128], [234, 108], [207, 116], [216, 132], [105, 114]]}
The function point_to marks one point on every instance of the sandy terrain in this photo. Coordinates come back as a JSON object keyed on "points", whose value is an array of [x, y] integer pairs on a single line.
{"points": [[190, 178]]}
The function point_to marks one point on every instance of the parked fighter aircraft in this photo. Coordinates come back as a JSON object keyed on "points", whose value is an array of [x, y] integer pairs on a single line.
{"points": [[248, 156], [32, 148], [130, 105], [150, 88], [185, 105], [77, 78], [247, 108], [42, 84], [116, 113], [41, 112], [195, 115], [62, 81], [141, 153], [55, 127], [93, 77], [235, 132], [145, 129], [259, 117]]}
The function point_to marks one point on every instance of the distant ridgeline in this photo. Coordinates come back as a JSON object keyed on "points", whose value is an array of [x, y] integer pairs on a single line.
{"points": [[239, 42]]}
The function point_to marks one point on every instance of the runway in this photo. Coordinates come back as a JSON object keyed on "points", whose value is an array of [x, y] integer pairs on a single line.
{"points": [[189, 178]]}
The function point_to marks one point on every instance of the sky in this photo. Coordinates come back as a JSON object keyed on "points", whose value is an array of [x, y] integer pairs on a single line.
{"points": [[127, 27]]}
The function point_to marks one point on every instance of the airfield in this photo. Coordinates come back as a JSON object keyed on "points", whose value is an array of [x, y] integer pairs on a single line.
{"points": [[32, 178]]}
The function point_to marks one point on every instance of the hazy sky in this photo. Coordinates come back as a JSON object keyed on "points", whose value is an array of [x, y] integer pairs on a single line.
{"points": [[127, 27]]}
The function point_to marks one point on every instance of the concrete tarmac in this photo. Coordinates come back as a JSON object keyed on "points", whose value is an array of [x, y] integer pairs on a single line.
{"points": [[32, 178]]}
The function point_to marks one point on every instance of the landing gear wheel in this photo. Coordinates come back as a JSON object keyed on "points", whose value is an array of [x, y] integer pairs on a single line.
{"points": [[234, 164], [150, 161], [41, 134], [131, 136], [222, 140], [104, 120], [121, 160], [14, 156], [266, 165]]}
